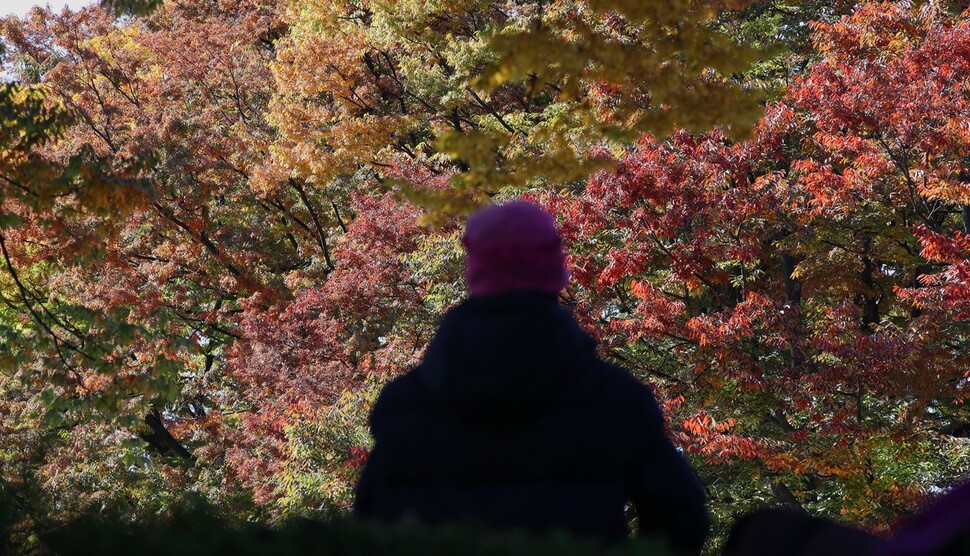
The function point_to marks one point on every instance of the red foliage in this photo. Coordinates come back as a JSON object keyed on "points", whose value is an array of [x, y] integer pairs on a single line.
{"points": [[295, 357], [791, 296]]}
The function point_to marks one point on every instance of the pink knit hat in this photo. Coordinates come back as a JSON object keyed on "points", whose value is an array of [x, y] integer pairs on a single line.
{"points": [[513, 247]]}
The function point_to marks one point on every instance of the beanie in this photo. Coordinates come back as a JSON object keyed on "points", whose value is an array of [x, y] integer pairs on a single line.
{"points": [[513, 247]]}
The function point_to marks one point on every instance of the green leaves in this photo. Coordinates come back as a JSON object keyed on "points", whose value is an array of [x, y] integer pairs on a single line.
{"points": [[131, 7], [498, 98], [201, 208], [620, 69], [27, 118]]}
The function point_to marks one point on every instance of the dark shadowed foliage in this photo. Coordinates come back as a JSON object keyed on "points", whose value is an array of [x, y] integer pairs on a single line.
{"points": [[196, 529]]}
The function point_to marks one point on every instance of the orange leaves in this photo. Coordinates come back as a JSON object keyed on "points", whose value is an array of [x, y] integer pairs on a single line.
{"points": [[698, 425], [703, 424], [712, 440], [654, 300], [672, 404], [831, 191], [951, 191], [656, 315], [874, 28], [938, 247], [810, 283], [729, 326], [945, 293]]}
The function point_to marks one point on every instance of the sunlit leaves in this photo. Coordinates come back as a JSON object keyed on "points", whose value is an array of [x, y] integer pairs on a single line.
{"points": [[206, 234], [806, 287]]}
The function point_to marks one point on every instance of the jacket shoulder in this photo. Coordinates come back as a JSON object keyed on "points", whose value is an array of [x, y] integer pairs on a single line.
{"points": [[628, 393], [404, 392]]}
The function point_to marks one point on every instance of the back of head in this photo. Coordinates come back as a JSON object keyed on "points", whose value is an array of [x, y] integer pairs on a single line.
{"points": [[513, 247], [787, 532]]}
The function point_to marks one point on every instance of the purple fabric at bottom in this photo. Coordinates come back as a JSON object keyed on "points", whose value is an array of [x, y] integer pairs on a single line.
{"points": [[935, 529]]}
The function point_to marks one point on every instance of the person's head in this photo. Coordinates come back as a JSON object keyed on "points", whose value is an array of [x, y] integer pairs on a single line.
{"points": [[513, 247]]}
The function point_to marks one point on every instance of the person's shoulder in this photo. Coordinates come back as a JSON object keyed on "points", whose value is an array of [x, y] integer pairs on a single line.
{"points": [[401, 393], [625, 392], [619, 380]]}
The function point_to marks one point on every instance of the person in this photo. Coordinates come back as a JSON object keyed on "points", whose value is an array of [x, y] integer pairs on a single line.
{"points": [[940, 529], [511, 419], [793, 532]]}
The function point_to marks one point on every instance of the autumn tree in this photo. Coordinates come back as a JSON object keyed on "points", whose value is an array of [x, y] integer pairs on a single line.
{"points": [[786, 293], [174, 381], [172, 101], [493, 95], [216, 241]]}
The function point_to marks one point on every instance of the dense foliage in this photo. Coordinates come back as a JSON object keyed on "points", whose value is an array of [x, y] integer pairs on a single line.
{"points": [[224, 225]]}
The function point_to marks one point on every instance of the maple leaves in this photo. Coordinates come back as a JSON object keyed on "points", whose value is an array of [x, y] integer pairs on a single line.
{"points": [[473, 89], [620, 68], [796, 290], [299, 357]]}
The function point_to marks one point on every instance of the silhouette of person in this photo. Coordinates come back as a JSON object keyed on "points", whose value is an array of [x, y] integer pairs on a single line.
{"points": [[940, 529], [512, 420]]}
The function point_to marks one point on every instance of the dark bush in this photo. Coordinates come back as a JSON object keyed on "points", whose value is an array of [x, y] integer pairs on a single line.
{"points": [[195, 530]]}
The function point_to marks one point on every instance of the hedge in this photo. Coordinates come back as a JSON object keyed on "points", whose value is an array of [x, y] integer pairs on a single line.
{"points": [[197, 531]]}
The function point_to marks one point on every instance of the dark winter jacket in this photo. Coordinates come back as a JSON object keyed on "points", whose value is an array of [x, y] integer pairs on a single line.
{"points": [[513, 421]]}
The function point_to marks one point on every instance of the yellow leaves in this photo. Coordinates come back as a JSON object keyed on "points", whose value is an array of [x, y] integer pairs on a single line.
{"points": [[320, 16], [125, 40], [500, 99], [28, 118], [656, 68], [317, 65], [478, 147], [444, 203], [496, 160], [327, 151]]}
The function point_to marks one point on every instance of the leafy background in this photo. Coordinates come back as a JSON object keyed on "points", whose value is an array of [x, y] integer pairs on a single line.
{"points": [[225, 224]]}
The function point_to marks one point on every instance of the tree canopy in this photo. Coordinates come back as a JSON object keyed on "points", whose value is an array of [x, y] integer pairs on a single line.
{"points": [[224, 225]]}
